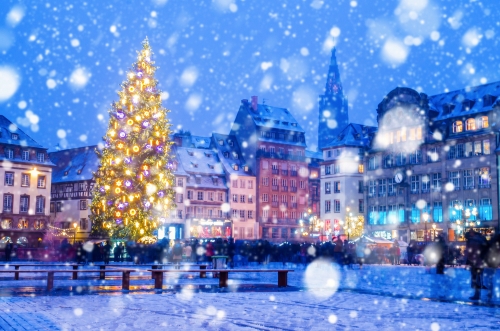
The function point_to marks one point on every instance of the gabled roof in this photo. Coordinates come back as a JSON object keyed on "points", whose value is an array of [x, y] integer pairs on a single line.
{"points": [[273, 117], [353, 135], [229, 154], [74, 164], [437, 102], [7, 128]]}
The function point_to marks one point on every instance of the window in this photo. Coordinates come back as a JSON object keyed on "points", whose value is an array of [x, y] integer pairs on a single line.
{"points": [[328, 170], [190, 195], [415, 183], [25, 180], [58, 207], [6, 224], [336, 206], [302, 184], [425, 183], [373, 215], [265, 165], [361, 206], [235, 183], [40, 183], [329, 153], [470, 124], [382, 214], [360, 187], [7, 203], [437, 212], [460, 150], [484, 178], [242, 198], [372, 188], [24, 204], [14, 136], [210, 196], [284, 183], [265, 197], [52, 207], [250, 214], [265, 181], [455, 179], [468, 180], [221, 196], [336, 168], [457, 127], [432, 155], [372, 163], [200, 195], [235, 167], [250, 199], [40, 205], [250, 184], [84, 224], [415, 214], [482, 122], [274, 181], [328, 188], [180, 182], [416, 157], [336, 187], [382, 188], [452, 152], [242, 183], [477, 148], [388, 162], [23, 224], [328, 206], [180, 198], [25, 155], [391, 187], [235, 197], [83, 204], [485, 210], [9, 153], [468, 149], [235, 213], [40, 157], [361, 168], [9, 178], [242, 214], [272, 150], [486, 147], [400, 159]]}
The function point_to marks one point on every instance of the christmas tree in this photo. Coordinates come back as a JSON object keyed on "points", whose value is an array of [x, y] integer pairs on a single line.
{"points": [[133, 185]]}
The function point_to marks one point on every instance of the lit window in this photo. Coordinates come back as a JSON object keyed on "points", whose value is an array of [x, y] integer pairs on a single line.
{"points": [[419, 133], [470, 124], [361, 168], [482, 122], [457, 127]]}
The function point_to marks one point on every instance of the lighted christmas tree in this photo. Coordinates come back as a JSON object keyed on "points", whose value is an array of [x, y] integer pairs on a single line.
{"points": [[133, 185]]}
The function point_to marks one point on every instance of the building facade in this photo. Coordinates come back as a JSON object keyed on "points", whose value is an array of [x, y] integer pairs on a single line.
{"points": [[72, 184], [433, 166], [273, 144], [27, 173], [342, 178]]}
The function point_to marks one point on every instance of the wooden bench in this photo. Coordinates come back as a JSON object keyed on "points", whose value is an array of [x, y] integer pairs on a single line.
{"points": [[223, 275], [203, 267], [50, 275], [18, 265]]}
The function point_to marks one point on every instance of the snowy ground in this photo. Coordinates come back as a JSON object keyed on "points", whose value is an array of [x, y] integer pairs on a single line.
{"points": [[321, 297]]}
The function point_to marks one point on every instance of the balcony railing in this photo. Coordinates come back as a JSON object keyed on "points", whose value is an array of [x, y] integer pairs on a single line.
{"points": [[293, 173], [293, 189], [284, 172], [484, 186], [284, 189], [469, 187], [391, 194], [276, 172], [275, 188], [70, 195], [206, 215], [274, 204]]}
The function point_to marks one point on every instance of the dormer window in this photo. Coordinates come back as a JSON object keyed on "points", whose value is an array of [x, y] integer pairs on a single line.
{"points": [[235, 167], [79, 171], [226, 155], [235, 155], [448, 109], [208, 154], [9, 153], [25, 155], [467, 105], [14, 136], [190, 152], [66, 173], [293, 124], [195, 165], [488, 100], [284, 123], [211, 166], [457, 127], [245, 168], [221, 142], [230, 142]]}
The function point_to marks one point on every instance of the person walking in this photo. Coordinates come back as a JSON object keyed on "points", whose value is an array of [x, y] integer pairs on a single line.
{"points": [[186, 252], [442, 249], [338, 251], [8, 251], [107, 252], [492, 260], [474, 253], [360, 253], [177, 254]]}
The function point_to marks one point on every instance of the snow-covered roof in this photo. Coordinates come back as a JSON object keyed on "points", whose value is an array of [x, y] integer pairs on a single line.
{"points": [[456, 99], [230, 154], [74, 164], [8, 130], [199, 161], [314, 155], [274, 117], [355, 135], [204, 181]]}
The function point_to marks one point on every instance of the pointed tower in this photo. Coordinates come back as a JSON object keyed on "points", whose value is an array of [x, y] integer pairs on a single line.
{"points": [[333, 112]]}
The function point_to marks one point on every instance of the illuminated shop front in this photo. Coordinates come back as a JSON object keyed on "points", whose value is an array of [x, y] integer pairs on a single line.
{"points": [[207, 228]]}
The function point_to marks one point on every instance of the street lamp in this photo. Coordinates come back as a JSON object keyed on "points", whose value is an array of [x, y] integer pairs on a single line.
{"points": [[74, 233], [426, 217], [434, 231]]}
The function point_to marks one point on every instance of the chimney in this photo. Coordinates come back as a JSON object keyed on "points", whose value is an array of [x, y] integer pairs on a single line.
{"points": [[244, 102], [255, 100]]}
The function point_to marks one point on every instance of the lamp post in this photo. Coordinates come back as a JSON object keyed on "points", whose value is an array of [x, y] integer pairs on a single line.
{"points": [[426, 218], [74, 233], [348, 219], [434, 231]]}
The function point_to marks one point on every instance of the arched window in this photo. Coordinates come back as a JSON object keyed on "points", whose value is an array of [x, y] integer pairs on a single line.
{"points": [[6, 224], [470, 124], [458, 126], [482, 122]]}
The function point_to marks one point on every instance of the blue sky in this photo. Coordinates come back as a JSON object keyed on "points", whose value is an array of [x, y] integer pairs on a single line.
{"points": [[62, 62]]}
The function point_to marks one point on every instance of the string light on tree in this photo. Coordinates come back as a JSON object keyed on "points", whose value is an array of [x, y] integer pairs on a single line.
{"points": [[133, 186]]}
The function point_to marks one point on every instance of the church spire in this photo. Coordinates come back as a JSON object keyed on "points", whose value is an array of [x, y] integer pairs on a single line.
{"points": [[333, 106]]}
